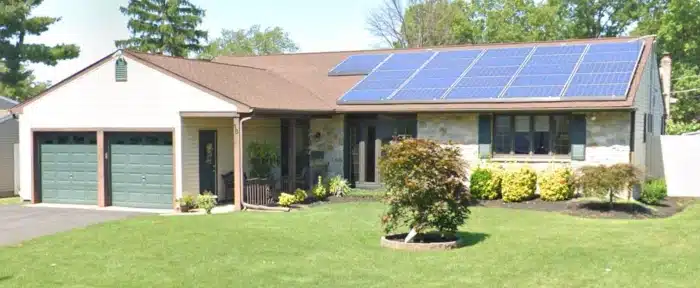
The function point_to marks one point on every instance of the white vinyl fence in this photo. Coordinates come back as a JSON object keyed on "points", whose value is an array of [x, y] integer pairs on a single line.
{"points": [[680, 155]]}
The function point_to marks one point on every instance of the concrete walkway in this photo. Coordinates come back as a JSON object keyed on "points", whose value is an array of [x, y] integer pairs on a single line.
{"points": [[19, 223]]}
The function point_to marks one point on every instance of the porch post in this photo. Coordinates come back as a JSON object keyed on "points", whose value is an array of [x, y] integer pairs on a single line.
{"points": [[237, 165], [292, 160]]}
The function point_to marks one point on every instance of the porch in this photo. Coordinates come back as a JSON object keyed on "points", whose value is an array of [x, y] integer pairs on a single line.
{"points": [[267, 155]]}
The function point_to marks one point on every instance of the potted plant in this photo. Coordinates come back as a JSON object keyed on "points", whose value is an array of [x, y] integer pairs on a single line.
{"points": [[186, 203]]}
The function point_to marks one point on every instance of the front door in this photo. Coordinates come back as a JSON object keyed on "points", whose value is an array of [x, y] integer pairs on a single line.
{"points": [[207, 161]]}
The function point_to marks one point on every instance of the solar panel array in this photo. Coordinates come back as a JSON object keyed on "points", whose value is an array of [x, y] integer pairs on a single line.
{"points": [[358, 64], [598, 71]]}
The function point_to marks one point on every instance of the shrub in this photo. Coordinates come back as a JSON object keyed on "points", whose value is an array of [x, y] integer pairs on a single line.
{"points": [[556, 185], [287, 199], [299, 195], [319, 191], [187, 202], [424, 183], [654, 191], [485, 183], [605, 181], [338, 186], [206, 201], [519, 185]]}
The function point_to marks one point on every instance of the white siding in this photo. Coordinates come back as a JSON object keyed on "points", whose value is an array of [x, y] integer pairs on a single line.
{"points": [[9, 135], [149, 99]]}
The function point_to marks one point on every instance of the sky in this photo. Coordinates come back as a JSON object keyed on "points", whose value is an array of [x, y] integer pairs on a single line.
{"points": [[315, 25]]}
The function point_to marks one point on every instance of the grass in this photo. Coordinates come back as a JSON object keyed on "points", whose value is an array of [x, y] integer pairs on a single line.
{"points": [[337, 245], [10, 200], [368, 193]]}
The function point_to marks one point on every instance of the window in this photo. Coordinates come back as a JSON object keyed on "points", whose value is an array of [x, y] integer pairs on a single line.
{"points": [[531, 134], [502, 135]]}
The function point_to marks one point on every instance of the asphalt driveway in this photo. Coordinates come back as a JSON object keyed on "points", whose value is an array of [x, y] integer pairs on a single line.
{"points": [[19, 223]]}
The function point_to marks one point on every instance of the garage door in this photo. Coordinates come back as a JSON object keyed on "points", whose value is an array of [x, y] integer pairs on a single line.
{"points": [[141, 170], [68, 168]]}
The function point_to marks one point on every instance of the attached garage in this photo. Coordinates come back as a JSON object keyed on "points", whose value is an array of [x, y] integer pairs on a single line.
{"points": [[67, 165], [140, 169]]}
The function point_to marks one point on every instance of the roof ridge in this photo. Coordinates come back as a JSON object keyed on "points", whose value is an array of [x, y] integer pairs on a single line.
{"points": [[193, 60], [9, 100], [440, 47]]}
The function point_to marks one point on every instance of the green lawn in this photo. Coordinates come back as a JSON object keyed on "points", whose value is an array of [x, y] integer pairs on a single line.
{"points": [[337, 245], [10, 200]]}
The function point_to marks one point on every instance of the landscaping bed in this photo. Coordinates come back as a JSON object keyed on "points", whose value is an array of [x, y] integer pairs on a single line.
{"points": [[594, 208]]}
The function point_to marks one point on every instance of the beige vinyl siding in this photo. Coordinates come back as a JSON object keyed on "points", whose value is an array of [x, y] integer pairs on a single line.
{"points": [[261, 130], [190, 151], [9, 135]]}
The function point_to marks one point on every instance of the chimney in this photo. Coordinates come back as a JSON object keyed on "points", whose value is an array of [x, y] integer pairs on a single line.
{"points": [[665, 72]]}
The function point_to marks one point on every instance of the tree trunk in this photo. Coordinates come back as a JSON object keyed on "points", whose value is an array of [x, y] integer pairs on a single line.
{"points": [[611, 200]]}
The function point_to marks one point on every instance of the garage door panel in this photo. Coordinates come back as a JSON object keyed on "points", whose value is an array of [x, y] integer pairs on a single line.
{"points": [[68, 167], [141, 169]]}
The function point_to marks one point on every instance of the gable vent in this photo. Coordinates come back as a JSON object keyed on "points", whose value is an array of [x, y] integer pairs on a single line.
{"points": [[120, 70]]}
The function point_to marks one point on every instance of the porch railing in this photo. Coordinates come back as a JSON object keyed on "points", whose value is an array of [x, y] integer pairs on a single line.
{"points": [[260, 191]]}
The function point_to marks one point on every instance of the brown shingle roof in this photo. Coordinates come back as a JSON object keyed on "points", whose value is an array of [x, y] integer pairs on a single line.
{"points": [[254, 87], [300, 82], [311, 71]]}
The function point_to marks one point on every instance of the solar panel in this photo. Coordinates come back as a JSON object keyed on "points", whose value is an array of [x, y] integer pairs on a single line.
{"points": [[437, 76], [490, 74], [358, 65], [605, 71], [546, 72], [553, 71], [381, 83]]}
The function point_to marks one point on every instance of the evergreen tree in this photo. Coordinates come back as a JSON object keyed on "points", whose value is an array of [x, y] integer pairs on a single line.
{"points": [[163, 27], [15, 25]]}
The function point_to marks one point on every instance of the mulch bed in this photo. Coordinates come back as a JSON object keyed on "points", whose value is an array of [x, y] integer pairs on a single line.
{"points": [[422, 238], [596, 209]]}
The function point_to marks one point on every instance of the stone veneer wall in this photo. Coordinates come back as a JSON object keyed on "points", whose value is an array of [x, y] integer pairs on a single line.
{"points": [[457, 128], [327, 135], [607, 137]]}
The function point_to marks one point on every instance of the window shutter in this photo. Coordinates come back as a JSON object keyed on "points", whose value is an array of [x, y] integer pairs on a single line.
{"points": [[484, 136], [577, 132], [120, 70]]}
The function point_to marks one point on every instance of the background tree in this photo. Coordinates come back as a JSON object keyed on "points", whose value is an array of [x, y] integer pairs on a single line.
{"points": [[15, 25], [254, 41], [419, 23], [24, 89], [596, 18], [163, 27], [677, 26]]}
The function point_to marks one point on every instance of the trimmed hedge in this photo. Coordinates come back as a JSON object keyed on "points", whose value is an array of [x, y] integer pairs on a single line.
{"points": [[485, 183], [556, 184], [519, 185]]}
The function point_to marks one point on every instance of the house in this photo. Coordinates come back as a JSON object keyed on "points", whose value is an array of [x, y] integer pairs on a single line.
{"points": [[140, 130], [9, 136]]}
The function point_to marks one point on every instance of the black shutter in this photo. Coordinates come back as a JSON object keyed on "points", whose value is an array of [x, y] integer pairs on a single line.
{"points": [[577, 132], [484, 136]]}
